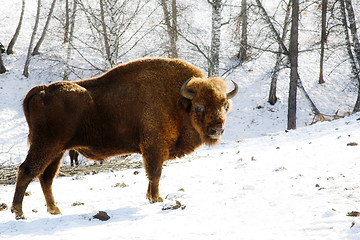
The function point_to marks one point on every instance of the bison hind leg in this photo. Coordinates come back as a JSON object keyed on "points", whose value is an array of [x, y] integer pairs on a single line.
{"points": [[46, 180], [26, 173], [40, 163]]}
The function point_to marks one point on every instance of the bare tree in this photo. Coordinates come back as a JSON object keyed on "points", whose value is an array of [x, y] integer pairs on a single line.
{"points": [[293, 50], [2, 66], [323, 39], [171, 26], [354, 54], [17, 32], [285, 51], [279, 58], [174, 25], [42, 37], [69, 42], [116, 29], [67, 22], [272, 28], [215, 37], [354, 66], [27, 61], [105, 34], [243, 56], [353, 29]]}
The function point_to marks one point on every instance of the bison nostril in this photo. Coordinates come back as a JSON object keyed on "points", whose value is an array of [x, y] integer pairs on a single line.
{"points": [[217, 131]]}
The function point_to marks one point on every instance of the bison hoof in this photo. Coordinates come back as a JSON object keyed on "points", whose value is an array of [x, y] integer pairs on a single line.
{"points": [[154, 200], [54, 210], [19, 217], [18, 213]]}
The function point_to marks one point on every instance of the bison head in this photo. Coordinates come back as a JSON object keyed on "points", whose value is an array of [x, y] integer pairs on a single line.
{"points": [[209, 105]]}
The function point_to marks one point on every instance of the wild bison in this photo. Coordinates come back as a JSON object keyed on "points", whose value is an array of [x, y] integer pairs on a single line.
{"points": [[160, 108], [74, 157]]}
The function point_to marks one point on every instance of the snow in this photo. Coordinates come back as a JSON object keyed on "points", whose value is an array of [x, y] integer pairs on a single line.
{"points": [[261, 182], [294, 185]]}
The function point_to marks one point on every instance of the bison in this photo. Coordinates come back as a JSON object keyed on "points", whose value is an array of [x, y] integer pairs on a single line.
{"points": [[160, 108], [74, 157]]}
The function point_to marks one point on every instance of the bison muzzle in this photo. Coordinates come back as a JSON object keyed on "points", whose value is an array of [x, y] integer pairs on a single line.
{"points": [[160, 108]]}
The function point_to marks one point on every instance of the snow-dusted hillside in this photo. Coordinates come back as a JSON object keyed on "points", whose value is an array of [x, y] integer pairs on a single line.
{"points": [[259, 183]]}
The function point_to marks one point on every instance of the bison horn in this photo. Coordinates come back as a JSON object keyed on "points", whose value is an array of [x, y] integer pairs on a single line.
{"points": [[185, 92], [233, 92]]}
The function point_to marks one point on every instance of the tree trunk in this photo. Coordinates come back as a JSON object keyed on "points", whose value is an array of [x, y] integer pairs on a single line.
{"points": [[69, 42], [323, 39], [354, 67], [272, 94], [354, 60], [314, 109], [174, 35], [243, 42], [27, 61], [353, 30], [171, 26], [67, 22], [293, 50], [215, 38], [2, 66], [42, 37], [105, 34], [174, 19], [17, 32]]}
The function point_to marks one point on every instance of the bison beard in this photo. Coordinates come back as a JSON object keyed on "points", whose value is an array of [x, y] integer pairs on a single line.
{"points": [[160, 108]]}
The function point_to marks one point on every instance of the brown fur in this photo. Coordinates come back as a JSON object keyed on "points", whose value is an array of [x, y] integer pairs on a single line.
{"points": [[133, 108]]}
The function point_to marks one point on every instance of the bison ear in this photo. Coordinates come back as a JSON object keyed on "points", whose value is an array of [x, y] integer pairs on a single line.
{"points": [[185, 104]]}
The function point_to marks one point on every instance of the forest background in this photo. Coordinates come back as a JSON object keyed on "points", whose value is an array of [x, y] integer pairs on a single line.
{"points": [[81, 38]]}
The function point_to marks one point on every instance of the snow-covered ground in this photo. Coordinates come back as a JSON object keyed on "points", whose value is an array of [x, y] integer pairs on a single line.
{"points": [[261, 182], [295, 185]]}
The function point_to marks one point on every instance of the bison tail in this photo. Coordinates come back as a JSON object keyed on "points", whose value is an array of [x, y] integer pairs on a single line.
{"points": [[34, 91]]}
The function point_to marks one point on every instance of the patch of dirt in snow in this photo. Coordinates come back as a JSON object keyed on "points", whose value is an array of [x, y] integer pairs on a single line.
{"points": [[8, 172]]}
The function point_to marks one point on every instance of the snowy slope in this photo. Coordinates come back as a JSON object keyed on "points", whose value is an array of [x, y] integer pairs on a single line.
{"points": [[295, 185]]}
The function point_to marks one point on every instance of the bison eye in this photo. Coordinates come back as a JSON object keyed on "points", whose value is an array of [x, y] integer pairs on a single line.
{"points": [[226, 106], [199, 108]]}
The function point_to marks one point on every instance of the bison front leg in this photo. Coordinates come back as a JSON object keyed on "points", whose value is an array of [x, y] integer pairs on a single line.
{"points": [[153, 194], [153, 161]]}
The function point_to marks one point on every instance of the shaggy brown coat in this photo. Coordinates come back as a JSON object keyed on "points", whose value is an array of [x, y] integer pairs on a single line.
{"points": [[137, 107]]}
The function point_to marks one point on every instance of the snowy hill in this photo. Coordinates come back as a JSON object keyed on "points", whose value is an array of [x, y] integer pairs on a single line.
{"points": [[261, 182]]}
